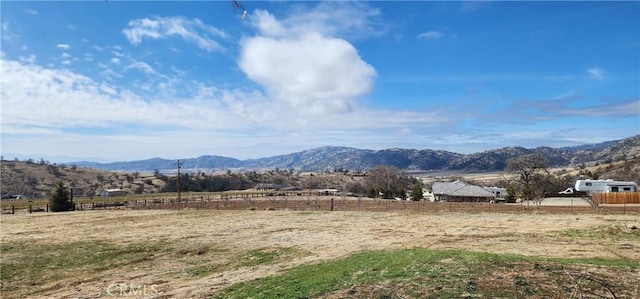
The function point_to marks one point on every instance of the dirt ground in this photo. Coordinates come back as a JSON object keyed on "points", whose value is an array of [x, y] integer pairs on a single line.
{"points": [[319, 235]]}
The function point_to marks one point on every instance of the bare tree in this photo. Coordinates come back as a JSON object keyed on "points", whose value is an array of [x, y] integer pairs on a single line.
{"points": [[388, 181], [529, 176]]}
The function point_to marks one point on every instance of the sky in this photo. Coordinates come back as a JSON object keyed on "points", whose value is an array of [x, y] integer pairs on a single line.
{"points": [[114, 80]]}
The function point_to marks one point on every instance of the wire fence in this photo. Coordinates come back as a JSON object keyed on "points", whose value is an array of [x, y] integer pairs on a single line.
{"points": [[333, 203]]}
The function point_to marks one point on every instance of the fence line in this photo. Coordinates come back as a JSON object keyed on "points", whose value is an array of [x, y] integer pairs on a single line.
{"points": [[617, 198], [328, 203]]}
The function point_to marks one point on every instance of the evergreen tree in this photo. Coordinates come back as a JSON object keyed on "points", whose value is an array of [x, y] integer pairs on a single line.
{"points": [[60, 199], [416, 193]]}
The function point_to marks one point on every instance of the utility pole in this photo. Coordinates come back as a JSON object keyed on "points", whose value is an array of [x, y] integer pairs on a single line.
{"points": [[178, 181]]}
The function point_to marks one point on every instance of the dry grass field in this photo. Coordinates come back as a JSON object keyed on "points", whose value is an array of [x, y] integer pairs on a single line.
{"points": [[201, 253]]}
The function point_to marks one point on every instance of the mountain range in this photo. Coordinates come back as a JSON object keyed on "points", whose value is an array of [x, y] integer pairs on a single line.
{"points": [[347, 158]]}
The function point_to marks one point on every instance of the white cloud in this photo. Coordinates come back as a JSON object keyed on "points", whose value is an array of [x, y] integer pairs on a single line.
{"points": [[34, 96], [29, 59], [330, 18], [63, 46], [6, 33], [31, 12], [430, 35], [298, 63], [192, 30], [11, 129], [595, 73], [115, 60], [621, 109], [62, 109], [110, 74], [66, 62], [141, 66], [58, 98]]}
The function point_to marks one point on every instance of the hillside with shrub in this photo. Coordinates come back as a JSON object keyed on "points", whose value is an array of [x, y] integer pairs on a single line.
{"points": [[36, 179]]}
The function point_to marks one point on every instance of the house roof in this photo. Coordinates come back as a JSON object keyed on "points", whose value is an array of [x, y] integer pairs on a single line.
{"points": [[494, 189], [459, 188], [268, 186]]}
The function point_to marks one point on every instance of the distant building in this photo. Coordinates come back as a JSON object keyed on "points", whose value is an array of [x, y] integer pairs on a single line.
{"points": [[498, 192], [459, 191], [268, 187], [112, 192]]}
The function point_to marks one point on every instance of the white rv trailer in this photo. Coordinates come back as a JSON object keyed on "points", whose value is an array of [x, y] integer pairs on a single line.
{"points": [[605, 186]]}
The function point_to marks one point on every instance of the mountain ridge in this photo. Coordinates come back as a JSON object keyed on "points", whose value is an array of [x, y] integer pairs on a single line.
{"points": [[350, 158]]}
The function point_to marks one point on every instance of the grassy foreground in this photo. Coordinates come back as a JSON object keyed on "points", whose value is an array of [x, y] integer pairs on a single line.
{"points": [[28, 269], [291, 254], [424, 273], [407, 273]]}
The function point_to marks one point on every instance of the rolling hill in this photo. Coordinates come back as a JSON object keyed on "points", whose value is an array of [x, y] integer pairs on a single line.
{"points": [[618, 160], [332, 157]]}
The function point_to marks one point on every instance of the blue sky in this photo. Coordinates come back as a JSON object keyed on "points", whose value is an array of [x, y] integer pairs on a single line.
{"points": [[117, 81]]}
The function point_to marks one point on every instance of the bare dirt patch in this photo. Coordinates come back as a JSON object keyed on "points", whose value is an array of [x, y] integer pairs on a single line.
{"points": [[191, 253]]}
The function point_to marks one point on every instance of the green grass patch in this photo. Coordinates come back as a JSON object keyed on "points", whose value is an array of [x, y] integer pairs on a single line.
{"points": [[265, 256], [27, 267], [607, 232], [29, 264], [436, 274]]}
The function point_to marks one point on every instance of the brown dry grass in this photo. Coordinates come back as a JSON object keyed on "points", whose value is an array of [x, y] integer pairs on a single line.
{"points": [[195, 253]]}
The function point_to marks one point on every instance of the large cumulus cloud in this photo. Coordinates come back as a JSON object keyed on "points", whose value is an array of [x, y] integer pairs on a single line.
{"points": [[312, 71]]}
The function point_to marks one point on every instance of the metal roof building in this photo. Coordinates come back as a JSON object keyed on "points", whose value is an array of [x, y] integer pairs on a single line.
{"points": [[268, 187], [460, 191], [112, 192]]}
